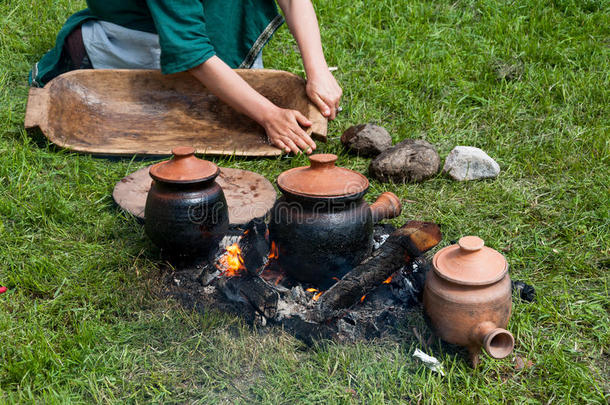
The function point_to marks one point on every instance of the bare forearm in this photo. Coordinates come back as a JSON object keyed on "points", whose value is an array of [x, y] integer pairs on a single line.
{"points": [[322, 88], [283, 126], [303, 23], [227, 85]]}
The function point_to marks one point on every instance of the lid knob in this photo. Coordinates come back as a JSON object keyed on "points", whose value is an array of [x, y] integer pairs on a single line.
{"points": [[183, 151], [469, 244], [322, 161]]}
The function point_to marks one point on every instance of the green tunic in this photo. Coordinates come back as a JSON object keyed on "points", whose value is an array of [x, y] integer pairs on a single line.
{"points": [[190, 31]]}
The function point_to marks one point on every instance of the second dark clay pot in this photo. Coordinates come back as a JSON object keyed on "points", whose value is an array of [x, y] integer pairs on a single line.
{"points": [[322, 226]]}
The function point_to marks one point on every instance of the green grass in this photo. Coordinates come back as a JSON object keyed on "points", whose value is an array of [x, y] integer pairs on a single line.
{"points": [[526, 81]]}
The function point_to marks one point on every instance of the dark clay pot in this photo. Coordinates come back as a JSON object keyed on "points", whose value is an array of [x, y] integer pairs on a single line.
{"points": [[321, 234], [186, 210]]}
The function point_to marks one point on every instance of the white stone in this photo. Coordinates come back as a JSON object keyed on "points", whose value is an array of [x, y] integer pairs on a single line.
{"points": [[470, 163]]}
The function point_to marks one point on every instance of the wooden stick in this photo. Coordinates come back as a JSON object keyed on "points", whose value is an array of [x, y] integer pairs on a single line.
{"points": [[410, 241]]}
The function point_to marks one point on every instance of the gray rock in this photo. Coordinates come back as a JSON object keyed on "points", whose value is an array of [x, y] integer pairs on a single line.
{"points": [[410, 160], [470, 163], [366, 139]]}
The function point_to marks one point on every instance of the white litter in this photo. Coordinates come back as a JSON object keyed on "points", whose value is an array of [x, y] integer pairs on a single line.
{"points": [[431, 362]]}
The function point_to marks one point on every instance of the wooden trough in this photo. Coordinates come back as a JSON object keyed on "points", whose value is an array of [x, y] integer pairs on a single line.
{"points": [[127, 112]]}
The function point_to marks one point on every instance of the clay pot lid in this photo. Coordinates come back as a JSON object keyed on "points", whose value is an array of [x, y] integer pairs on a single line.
{"points": [[184, 167], [470, 262], [322, 179]]}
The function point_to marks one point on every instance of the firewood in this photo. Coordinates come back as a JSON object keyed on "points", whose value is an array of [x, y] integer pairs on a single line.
{"points": [[255, 247], [252, 290], [406, 243]]}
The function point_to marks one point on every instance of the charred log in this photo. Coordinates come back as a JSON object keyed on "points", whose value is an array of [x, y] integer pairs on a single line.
{"points": [[407, 242], [255, 247], [252, 290]]}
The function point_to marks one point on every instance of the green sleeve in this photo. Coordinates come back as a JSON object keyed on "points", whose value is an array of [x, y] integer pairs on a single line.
{"points": [[182, 34]]}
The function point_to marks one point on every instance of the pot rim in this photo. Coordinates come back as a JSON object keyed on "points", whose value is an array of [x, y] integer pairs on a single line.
{"points": [[324, 199], [322, 179]]}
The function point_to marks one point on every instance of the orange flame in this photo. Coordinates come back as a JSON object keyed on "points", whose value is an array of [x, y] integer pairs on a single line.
{"points": [[335, 278], [363, 297], [317, 295], [273, 253], [231, 263], [388, 280]]}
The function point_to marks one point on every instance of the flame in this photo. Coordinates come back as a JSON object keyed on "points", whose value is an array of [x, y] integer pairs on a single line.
{"points": [[388, 280], [317, 295], [231, 263], [363, 297], [335, 278], [273, 253]]}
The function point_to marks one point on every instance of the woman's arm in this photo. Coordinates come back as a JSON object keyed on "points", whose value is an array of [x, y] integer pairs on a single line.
{"points": [[282, 125], [322, 88]]}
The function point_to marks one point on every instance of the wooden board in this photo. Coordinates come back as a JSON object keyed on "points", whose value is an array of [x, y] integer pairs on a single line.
{"points": [[127, 112], [249, 195]]}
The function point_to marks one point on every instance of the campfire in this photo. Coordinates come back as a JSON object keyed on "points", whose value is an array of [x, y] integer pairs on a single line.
{"points": [[245, 278]]}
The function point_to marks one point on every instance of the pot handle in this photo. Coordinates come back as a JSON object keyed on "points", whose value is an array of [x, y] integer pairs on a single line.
{"points": [[387, 206]]}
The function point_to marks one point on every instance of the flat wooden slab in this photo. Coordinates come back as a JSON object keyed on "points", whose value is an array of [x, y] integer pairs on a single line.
{"points": [[127, 112], [249, 195]]}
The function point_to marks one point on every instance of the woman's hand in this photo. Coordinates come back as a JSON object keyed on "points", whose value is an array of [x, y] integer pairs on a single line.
{"points": [[284, 130], [283, 126], [324, 91], [322, 88]]}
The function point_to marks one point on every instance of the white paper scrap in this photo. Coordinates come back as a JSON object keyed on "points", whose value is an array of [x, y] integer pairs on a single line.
{"points": [[431, 362]]}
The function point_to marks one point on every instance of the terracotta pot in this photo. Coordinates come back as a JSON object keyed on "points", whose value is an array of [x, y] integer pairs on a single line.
{"points": [[186, 211], [467, 297], [321, 225]]}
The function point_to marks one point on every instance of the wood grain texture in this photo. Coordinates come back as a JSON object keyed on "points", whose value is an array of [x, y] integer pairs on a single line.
{"points": [[127, 112]]}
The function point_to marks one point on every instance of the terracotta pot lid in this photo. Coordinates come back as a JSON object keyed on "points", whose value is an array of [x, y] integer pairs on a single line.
{"points": [[184, 167], [322, 179], [470, 262]]}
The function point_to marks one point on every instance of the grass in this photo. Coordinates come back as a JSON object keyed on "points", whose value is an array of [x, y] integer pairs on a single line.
{"points": [[526, 81]]}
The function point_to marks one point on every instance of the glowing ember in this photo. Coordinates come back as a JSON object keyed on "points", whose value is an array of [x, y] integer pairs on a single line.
{"points": [[231, 263], [335, 278], [315, 297], [273, 253], [311, 290], [387, 281], [363, 297]]}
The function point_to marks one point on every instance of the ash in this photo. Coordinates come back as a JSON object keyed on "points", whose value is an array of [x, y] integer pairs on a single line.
{"points": [[264, 295]]}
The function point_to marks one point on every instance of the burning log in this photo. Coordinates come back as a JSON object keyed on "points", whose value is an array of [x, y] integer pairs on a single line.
{"points": [[406, 243], [255, 247]]}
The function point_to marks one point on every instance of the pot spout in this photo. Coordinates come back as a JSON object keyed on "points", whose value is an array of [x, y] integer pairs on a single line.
{"points": [[387, 206], [497, 342]]}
